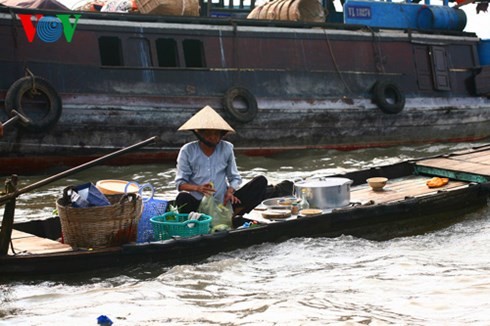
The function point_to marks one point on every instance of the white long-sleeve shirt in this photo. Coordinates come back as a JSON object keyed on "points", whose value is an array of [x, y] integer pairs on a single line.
{"points": [[195, 167]]}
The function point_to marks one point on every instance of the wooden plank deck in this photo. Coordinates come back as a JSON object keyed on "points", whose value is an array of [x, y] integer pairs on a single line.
{"points": [[395, 190], [470, 166], [26, 243], [399, 189]]}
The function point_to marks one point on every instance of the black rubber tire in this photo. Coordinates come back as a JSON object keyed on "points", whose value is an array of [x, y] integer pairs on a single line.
{"points": [[41, 121], [388, 97], [242, 115]]}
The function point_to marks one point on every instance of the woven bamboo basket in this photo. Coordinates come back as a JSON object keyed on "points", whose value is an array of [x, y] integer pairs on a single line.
{"points": [[291, 10], [100, 226], [169, 7]]}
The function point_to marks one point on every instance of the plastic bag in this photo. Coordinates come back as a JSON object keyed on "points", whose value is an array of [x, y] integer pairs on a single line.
{"points": [[151, 207], [86, 195], [119, 6], [220, 213]]}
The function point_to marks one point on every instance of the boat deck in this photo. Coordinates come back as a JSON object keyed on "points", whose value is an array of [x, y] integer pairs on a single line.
{"points": [[395, 190], [26, 243], [462, 168], [468, 165], [399, 189]]}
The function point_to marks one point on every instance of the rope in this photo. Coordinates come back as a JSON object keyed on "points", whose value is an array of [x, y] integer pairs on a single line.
{"points": [[378, 57], [14, 28], [12, 247], [335, 63], [33, 78], [236, 57]]}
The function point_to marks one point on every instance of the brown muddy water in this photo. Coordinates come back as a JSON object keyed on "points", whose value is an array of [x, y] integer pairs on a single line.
{"points": [[438, 278]]}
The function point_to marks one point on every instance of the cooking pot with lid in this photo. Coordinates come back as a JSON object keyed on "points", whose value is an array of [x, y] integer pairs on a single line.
{"points": [[324, 193]]}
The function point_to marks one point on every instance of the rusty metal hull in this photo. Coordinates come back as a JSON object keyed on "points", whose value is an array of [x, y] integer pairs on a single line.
{"points": [[313, 84]]}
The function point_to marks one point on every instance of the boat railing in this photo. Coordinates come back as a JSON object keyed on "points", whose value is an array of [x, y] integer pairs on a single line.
{"points": [[225, 9]]}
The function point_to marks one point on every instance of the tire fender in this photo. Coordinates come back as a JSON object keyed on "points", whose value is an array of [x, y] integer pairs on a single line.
{"points": [[40, 119], [246, 114], [388, 97]]}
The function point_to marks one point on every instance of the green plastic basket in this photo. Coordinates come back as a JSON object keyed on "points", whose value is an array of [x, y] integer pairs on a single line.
{"points": [[172, 224]]}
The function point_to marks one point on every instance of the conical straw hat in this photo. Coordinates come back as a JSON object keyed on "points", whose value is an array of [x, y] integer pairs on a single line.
{"points": [[206, 118]]}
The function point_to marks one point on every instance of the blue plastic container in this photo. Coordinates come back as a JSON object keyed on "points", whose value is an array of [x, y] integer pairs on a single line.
{"points": [[484, 52], [403, 15], [441, 18], [381, 14]]}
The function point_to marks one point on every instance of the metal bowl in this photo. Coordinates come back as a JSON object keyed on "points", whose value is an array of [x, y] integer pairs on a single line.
{"points": [[280, 202]]}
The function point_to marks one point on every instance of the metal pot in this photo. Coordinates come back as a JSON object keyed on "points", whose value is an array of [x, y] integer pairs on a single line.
{"points": [[325, 193]]}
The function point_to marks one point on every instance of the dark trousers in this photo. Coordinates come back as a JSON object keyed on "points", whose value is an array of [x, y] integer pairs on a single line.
{"points": [[250, 195]]}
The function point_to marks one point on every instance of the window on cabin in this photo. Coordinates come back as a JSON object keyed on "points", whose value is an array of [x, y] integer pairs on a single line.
{"points": [[110, 51], [193, 53], [167, 53]]}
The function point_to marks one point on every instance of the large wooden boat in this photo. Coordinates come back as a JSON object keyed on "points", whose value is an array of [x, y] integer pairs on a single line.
{"points": [[376, 74], [406, 206]]}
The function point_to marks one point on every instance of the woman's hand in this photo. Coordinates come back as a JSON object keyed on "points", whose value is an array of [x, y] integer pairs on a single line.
{"points": [[229, 197], [207, 189]]}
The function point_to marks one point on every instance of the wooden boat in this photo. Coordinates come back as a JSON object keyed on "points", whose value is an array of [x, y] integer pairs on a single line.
{"points": [[376, 74], [405, 206]]}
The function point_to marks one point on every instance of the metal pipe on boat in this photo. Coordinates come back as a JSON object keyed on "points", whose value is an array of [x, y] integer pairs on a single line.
{"points": [[17, 116], [74, 170]]}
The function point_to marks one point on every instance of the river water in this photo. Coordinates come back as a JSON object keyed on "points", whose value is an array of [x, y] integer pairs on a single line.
{"points": [[439, 278]]}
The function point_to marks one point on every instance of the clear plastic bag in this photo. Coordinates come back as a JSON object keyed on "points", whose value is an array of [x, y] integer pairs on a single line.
{"points": [[220, 213]]}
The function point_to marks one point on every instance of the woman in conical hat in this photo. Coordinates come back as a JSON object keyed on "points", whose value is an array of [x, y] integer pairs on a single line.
{"points": [[207, 167], [207, 119]]}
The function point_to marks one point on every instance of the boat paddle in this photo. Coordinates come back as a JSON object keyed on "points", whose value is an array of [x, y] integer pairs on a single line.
{"points": [[76, 169]]}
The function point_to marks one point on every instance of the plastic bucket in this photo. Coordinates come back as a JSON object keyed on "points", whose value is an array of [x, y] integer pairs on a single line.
{"points": [[484, 52]]}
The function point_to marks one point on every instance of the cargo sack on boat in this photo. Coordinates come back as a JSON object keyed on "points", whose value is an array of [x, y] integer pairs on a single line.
{"points": [[169, 7], [291, 10], [100, 226]]}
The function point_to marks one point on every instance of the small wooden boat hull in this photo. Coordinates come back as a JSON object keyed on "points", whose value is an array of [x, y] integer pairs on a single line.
{"points": [[409, 207]]}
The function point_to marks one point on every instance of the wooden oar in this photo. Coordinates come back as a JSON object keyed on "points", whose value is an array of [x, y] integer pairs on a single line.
{"points": [[75, 169], [10, 198]]}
